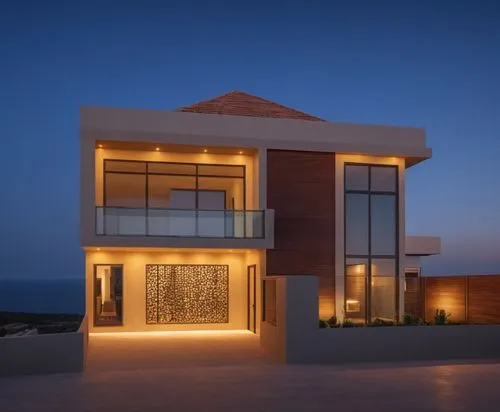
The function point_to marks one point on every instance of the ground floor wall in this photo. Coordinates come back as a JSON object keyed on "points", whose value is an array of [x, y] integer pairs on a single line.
{"points": [[135, 289]]}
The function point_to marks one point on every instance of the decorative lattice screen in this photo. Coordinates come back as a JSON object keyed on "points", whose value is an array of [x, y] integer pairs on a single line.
{"points": [[178, 294]]}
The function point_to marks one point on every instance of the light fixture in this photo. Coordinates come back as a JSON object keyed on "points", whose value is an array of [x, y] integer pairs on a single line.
{"points": [[205, 150], [98, 249], [157, 149], [240, 152], [100, 146]]}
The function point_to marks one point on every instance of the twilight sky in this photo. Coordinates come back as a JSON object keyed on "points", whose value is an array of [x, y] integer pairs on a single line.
{"points": [[432, 64]]}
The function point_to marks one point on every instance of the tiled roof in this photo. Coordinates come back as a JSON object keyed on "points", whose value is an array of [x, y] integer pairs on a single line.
{"points": [[236, 103]]}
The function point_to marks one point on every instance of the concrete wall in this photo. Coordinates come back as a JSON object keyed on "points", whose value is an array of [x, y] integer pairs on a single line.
{"points": [[134, 285], [44, 354], [253, 132], [296, 338]]}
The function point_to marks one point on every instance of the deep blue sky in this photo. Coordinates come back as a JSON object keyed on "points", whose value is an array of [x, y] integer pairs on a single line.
{"points": [[432, 64]]}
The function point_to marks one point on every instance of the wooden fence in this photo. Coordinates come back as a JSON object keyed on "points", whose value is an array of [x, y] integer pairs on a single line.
{"points": [[471, 299]]}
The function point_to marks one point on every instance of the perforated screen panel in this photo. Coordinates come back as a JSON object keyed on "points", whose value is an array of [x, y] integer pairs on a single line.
{"points": [[184, 294]]}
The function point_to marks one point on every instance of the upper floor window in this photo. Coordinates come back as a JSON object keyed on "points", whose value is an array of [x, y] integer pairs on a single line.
{"points": [[140, 184]]}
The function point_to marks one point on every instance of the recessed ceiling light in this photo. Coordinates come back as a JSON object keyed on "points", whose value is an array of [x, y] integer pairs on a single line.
{"points": [[157, 149], [205, 150], [240, 152], [100, 146]]}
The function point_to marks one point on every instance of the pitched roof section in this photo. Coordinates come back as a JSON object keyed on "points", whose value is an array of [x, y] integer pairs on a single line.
{"points": [[236, 103]]}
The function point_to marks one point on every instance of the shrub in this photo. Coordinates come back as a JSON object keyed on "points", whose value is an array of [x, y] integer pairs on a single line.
{"points": [[408, 319], [441, 317], [381, 322], [348, 323], [322, 324], [332, 322]]}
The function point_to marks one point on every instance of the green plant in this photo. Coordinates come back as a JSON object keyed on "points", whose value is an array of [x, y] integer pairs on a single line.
{"points": [[348, 323], [408, 319], [322, 324], [332, 322], [381, 322], [441, 317]]}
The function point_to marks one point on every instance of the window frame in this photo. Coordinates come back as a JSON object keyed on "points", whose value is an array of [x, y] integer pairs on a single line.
{"points": [[370, 256], [196, 176], [95, 321]]}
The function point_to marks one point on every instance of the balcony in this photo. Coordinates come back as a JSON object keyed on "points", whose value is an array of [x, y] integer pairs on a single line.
{"points": [[175, 223]]}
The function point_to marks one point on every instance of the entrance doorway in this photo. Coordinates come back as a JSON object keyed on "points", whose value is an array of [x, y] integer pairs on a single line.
{"points": [[251, 298]]}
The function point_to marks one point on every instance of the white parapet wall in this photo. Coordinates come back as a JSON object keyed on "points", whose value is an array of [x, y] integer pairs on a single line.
{"points": [[422, 245], [297, 339], [44, 354]]}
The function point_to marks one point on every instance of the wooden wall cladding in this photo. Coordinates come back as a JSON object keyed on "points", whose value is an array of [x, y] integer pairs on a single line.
{"points": [[471, 299], [301, 190], [448, 293], [413, 296], [484, 299]]}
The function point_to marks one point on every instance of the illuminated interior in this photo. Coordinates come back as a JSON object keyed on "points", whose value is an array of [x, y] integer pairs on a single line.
{"points": [[173, 289]]}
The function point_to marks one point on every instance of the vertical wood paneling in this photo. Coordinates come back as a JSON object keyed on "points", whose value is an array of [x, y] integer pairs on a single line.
{"points": [[474, 299], [300, 188], [484, 299], [413, 296], [448, 293]]}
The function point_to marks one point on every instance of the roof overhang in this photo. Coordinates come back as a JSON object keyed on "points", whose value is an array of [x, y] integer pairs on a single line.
{"points": [[422, 245], [131, 125]]}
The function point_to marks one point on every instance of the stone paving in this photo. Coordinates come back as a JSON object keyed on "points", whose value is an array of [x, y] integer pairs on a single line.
{"points": [[228, 372]]}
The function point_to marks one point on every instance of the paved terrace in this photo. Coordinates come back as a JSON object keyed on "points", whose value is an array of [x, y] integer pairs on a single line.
{"points": [[228, 372]]}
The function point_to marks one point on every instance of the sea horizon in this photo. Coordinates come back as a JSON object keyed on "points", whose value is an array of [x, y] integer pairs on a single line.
{"points": [[42, 295]]}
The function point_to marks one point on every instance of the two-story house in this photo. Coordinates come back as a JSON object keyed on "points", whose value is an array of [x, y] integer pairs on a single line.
{"points": [[183, 211]]}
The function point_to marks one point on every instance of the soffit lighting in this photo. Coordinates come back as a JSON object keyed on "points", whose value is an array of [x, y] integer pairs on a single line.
{"points": [[157, 149], [205, 150]]}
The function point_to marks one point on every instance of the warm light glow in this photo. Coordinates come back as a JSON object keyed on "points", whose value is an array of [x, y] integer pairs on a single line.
{"points": [[205, 150], [157, 149], [100, 146], [172, 334], [240, 152], [98, 249], [352, 305]]}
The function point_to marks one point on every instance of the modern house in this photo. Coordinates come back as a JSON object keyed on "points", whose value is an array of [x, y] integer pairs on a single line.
{"points": [[182, 213]]}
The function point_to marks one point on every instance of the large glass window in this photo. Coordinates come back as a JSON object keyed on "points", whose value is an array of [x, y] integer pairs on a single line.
{"points": [[108, 295], [371, 243], [163, 185]]}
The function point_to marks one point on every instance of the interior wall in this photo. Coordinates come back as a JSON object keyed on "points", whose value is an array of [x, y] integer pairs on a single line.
{"points": [[134, 285], [204, 158]]}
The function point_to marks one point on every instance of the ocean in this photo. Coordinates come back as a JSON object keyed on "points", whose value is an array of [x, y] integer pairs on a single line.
{"points": [[43, 295]]}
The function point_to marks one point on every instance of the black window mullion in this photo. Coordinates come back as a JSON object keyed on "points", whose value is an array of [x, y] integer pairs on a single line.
{"points": [[368, 295]]}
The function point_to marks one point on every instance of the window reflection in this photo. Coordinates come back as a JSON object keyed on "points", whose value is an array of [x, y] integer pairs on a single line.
{"points": [[356, 177], [108, 301], [371, 241], [356, 220], [383, 224], [383, 179]]}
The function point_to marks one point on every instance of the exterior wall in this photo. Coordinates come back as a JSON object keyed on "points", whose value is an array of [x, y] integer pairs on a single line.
{"points": [[423, 245], [340, 160], [204, 158], [134, 288], [43, 354], [472, 299], [252, 132], [300, 188], [296, 338]]}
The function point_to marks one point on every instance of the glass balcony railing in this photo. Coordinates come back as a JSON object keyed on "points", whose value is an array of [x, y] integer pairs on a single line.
{"points": [[122, 221]]}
